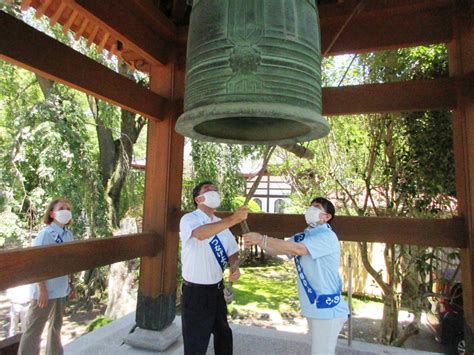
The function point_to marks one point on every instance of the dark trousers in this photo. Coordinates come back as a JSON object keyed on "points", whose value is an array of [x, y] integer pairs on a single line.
{"points": [[204, 311]]}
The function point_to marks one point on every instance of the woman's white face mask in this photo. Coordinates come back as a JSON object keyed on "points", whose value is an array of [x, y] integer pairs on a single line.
{"points": [[212, 199], [63, 216], [312, 215]]}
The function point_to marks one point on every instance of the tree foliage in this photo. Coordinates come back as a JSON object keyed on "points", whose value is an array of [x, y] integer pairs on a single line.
{"points": [[219, 163]]}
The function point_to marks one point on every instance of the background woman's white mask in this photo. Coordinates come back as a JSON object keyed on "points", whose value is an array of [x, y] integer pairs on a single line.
{"points": [[312, 215], [212, 199], [63, 216]]}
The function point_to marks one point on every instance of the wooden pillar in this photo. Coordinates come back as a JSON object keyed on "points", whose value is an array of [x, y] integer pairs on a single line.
{"points": [[156, 304], [461, 63]]}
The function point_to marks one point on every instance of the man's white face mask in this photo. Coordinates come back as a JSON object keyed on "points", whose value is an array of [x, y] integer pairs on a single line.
{"points": [[212, 199], [63, 216], [312, 215]]}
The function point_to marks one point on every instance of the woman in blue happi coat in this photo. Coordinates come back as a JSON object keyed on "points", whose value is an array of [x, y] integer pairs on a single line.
{"points": [[316, 253]]}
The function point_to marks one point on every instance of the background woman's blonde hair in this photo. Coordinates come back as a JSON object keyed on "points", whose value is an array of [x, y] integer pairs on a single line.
{"points": [[47, 219]]}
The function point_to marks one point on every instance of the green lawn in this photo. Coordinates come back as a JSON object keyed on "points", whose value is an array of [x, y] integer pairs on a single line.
{"points": [[266, 288], [273, 287]]}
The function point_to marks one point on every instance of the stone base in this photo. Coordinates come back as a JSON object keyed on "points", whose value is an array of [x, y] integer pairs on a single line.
{"points": [[153, 340]]}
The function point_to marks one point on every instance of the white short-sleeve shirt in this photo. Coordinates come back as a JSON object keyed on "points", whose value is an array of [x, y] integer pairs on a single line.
{"points": [[199, 265]]}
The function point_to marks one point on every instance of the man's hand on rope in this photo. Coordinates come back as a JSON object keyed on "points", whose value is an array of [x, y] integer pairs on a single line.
{"points": [[240, 214], [234, 275]]}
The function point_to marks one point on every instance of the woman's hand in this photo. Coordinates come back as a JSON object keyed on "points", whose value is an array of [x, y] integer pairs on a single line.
{"points": [[252, 238], [42, 297], [72, 293]]}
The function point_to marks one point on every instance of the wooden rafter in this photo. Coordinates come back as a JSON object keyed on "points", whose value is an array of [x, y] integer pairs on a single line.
{"points": [[21, 266], [115, 18], [141, 29], [73, 69], [404, 96], [57, 14]]}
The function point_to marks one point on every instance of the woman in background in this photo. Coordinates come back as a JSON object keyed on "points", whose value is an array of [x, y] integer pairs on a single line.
{"points": [[48, 297]]}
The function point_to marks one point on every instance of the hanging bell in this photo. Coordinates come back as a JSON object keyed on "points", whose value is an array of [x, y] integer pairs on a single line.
{"points": [[253, 72]]}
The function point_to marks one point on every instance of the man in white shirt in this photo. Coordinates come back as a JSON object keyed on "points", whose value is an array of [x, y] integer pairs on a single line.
{"points": [[207, 247]]}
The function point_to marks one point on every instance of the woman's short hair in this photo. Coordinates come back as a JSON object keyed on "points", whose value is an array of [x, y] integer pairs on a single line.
{"points": [[47, 219], [327, 205]]}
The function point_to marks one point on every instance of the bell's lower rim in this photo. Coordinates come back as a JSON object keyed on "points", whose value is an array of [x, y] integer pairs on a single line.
{"points": [[252, 123]]}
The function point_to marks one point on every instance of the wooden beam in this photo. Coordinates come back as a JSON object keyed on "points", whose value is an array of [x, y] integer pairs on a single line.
{"points": [[405, 96], [10, 345], [27, 47], [161, 24], [382, 27], [156, 301], [343, 9], [22, 266], [414, 231], [427, 232], [117, 18], [461, 66], [178, 10]]}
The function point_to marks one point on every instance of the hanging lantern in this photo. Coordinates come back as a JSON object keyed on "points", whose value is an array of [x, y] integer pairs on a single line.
{"points": [[253, 72]]}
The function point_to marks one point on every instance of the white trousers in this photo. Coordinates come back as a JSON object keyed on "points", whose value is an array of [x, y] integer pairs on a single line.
{"points": [[324, 333], [17, 317]]}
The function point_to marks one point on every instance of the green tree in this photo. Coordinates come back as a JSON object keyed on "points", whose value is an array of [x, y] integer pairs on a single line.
{"points": [[218, 163]]}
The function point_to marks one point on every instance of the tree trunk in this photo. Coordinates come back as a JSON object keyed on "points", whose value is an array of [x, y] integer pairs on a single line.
{"points": [[389, 328], [116, 154], [46, 86], [122, 298], [115, 162], [411, 329]]}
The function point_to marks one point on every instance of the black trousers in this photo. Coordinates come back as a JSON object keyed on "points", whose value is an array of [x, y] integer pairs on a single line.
{"points": [[204, 311]]}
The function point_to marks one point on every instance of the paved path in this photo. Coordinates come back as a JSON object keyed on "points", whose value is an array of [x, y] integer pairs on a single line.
{"points": [[247, 340]]}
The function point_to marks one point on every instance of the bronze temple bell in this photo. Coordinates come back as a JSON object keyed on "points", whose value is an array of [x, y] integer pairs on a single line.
{"points": [[253, 72]]}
